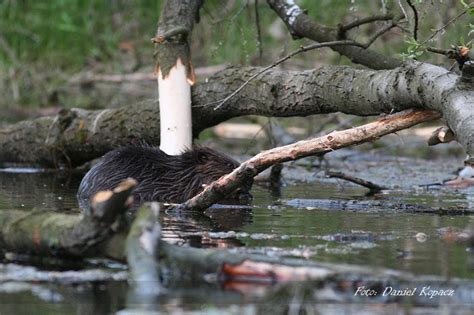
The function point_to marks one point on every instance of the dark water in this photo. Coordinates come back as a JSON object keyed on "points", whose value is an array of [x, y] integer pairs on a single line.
{"points": [[279, 225]]}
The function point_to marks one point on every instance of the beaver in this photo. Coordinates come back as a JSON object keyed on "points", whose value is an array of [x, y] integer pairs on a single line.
{"points": [[160, 177]]}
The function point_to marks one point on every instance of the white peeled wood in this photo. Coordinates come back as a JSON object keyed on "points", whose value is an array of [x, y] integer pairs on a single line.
{"points": [[175, 110]]}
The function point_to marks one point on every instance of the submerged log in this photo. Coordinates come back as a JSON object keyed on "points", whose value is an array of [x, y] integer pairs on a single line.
{"points": [[152, 260], [375, 206], [142, 251], [177, 263]]}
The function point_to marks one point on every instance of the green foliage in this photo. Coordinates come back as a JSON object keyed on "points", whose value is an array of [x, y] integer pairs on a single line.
{"points": [[414, 49], [70, 33]]}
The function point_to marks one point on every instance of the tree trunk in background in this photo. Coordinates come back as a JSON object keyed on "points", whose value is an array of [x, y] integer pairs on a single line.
{"points": [[77, 136], [175, 74]]}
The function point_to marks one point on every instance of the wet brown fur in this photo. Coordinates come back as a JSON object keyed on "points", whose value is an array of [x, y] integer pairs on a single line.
{"points": [[160, 177]]}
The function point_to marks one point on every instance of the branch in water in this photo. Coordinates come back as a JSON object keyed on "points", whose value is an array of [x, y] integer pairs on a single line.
{"points": [[356, 180], [316, 146]]}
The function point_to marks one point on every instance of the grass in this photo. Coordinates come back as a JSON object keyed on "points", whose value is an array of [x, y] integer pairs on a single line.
{"points": [[72, 33]]}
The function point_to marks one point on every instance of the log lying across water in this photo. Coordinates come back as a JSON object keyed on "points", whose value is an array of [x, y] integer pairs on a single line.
{"points": [[76, 136], [316, 146]]}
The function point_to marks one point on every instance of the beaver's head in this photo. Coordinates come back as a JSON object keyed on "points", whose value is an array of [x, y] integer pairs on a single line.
{"points": [[203, 166]]}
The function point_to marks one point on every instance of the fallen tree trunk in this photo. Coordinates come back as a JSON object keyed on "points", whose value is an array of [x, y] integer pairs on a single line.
{"points": [[76, 136]]}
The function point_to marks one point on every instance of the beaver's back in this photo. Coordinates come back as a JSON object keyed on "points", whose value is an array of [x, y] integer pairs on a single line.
{"points": [[130, 161], [160, 177]]}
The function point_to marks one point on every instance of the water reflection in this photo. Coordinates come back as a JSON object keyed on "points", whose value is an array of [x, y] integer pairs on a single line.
{"points": [[43, 190]]}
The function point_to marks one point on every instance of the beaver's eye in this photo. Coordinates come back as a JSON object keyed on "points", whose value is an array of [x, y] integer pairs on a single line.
{"points": [[203, 158]]}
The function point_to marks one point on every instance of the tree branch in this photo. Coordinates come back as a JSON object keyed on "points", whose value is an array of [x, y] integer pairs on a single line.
{"points": [[300, 25], [380, 32], [415, 17], [342, 29], [452, 20], [317, 146], [359, 181]]}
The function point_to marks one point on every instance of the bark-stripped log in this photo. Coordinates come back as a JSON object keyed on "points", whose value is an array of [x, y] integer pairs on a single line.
{"points": [[317, 146], [77, 136]]}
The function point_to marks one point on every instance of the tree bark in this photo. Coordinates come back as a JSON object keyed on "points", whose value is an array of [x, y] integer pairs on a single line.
{"points": [[77, 136], [47, 233], [175, 74], [142, 248]]}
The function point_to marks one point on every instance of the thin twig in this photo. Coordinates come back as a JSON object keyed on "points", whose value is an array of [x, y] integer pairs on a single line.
{"points": [[445, 25], [440, 51], [415, 15], [381, 32], [404, 29], [403, 9], [304, 49], [273, 65], [370, 19]]}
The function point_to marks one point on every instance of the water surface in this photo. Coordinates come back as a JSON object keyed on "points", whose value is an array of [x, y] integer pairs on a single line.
{"points": [[278, 224]]}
